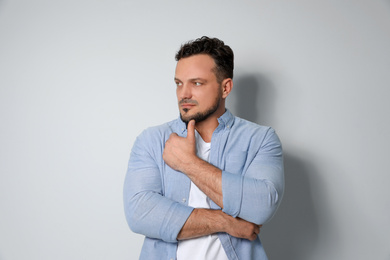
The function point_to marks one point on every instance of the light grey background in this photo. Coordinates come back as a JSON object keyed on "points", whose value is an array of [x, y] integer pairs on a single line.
{"points": [[79, 80]]}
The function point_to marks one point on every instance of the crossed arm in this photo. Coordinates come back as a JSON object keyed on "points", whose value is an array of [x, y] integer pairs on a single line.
{"points": [[180, 154], [204, 222]]}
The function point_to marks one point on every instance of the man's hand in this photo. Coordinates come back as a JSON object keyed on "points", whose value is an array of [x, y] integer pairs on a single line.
{"points": [[243, 229], [181, 151], [180, 154]]}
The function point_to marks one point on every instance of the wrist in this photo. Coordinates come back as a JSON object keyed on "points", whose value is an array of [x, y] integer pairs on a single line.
{"points": [[192, 165], [223, 221]]}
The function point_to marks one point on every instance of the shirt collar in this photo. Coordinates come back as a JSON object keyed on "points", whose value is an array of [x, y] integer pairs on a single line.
{"points": [[226, 120]]}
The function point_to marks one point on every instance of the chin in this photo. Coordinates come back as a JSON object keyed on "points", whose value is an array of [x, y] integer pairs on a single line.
{"points": [[199, 116], [186, 118]]}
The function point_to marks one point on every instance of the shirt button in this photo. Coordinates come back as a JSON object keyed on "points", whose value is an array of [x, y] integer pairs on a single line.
{"points": [[184, 200]]}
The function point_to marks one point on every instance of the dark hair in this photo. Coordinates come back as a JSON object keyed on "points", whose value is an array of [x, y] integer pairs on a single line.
{"points": [[222, 54]]}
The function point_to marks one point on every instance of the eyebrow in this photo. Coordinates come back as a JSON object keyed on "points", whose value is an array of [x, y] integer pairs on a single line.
{"points": [[194, 79]]}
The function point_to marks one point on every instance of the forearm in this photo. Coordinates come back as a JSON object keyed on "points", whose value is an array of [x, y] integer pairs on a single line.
{"points": [[207, 177], [203, 222]]}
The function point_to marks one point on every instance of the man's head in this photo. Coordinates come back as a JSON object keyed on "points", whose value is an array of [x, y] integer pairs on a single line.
{"points": [[203, 78], [222, 55]]}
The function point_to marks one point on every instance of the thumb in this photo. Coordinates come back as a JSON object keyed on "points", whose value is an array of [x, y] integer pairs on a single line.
{"points": [[191, 131]]}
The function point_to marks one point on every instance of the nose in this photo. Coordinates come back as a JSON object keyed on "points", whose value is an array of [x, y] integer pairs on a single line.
{"points": [[184, 92]]}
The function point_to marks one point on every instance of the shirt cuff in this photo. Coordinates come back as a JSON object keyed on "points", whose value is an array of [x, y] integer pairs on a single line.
{"points": [[174, 221], [232, 193]]}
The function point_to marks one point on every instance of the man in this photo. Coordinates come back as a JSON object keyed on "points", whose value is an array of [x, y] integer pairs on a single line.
{"points": [[201, 186]]}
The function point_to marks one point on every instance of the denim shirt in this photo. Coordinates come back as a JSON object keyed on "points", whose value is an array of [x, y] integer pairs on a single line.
{"points": [[156, 196]]}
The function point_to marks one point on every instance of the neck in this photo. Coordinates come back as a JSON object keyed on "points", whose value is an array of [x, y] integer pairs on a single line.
{"points": [[206, 127]]}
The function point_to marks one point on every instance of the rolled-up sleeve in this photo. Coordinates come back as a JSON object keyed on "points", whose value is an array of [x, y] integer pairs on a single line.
{"points": [[147, 211], [256, 192]]}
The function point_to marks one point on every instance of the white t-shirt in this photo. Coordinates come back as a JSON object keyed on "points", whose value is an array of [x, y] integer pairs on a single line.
{"points": [[206, 247]]}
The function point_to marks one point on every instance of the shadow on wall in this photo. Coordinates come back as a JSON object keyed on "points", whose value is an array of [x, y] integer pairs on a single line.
{"points": [[293, 232], [252, 98]]}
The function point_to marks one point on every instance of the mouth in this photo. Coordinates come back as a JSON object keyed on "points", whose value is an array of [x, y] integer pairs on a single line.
{"points": [[186, 105]]}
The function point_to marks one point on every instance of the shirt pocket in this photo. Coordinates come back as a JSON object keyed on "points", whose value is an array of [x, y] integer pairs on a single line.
{"points": [[235, 162]]}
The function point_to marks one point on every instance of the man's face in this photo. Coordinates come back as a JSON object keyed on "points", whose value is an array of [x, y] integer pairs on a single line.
{"points": [[198, 92]]}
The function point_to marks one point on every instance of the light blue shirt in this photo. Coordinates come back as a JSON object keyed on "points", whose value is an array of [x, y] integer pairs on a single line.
{"points": [[156, 196]]}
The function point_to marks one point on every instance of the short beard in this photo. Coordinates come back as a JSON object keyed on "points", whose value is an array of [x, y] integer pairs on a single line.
{"points": [[201, 116]]}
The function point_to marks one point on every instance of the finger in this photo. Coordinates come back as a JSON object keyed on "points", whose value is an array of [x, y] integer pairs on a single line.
{"points": [[257, 230], [253, 237], [191, 131]]}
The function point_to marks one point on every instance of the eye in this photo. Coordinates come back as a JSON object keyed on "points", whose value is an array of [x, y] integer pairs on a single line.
{"points": [[197, 83], [178, 83]]}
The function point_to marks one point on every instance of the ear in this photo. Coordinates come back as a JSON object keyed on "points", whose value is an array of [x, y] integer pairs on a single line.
{"points": [[227, 86]]}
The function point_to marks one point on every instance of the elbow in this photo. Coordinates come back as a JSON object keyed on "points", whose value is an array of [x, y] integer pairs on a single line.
{"points": [[133, 214], [131, 219], [137, 220], [270, 203], [133, 222], [265, 215], [267, 199], [274, 196]]}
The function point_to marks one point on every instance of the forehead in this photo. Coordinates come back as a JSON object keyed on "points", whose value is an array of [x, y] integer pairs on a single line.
{"points": [[196, 66]]}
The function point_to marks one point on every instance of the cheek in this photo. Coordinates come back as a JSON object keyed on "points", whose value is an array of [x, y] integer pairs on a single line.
{"points": [[209, 100]]}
